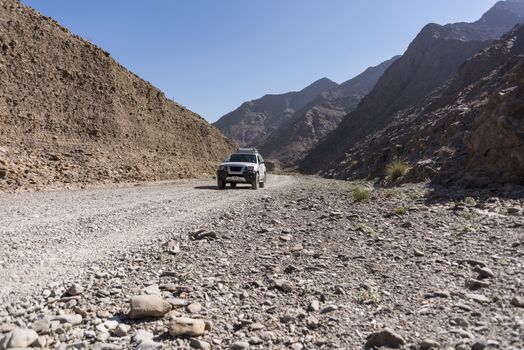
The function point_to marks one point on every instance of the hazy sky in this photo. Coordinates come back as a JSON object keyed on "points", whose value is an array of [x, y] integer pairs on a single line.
{"points": [[212, 55]]}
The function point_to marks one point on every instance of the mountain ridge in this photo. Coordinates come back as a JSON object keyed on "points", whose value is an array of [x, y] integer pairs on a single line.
{"points": [[432, 58], [302, 131], [470, 132], [254, 120]]}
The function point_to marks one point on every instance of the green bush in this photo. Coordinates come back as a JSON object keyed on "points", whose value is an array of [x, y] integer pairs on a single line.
{"points": [[361, 194], [396, 169]]}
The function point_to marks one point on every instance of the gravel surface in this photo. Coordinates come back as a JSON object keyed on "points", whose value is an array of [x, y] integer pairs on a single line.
{"points": [[304, 264], [50, 235]]}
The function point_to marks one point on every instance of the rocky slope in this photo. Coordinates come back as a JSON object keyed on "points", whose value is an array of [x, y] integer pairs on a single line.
{"points": [[308, 125], [471, 131], [254, 121], [410, 267], [70, 114], [431, 59]]}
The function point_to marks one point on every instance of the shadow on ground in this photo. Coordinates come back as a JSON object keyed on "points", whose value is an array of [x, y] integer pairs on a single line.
{"points": [[481, 195], [214, 187]]}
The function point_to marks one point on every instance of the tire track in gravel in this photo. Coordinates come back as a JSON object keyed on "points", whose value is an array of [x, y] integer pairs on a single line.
{"points": [[50, 235]]}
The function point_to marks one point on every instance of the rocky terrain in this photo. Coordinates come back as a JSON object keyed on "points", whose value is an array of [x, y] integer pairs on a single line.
{"points": [[304, 264], [471, 131], [431, 60], [293, 139], [70, 114], [251, 123]]}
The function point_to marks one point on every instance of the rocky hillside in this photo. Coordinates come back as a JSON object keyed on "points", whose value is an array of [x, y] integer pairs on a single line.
{"points": [[254, 121], [308, 125], [431, 59], [471, 131], [70, 114]]}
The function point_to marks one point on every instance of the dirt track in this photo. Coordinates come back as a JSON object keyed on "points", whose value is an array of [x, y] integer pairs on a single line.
{"points": [[306, 263], [49, 235]]}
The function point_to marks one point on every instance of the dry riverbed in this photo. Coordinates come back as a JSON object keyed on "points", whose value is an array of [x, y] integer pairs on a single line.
{"points": [[298, 265]]}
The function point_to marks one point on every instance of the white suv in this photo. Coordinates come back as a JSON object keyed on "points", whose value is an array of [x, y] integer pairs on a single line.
{"points": [[246, 165]]}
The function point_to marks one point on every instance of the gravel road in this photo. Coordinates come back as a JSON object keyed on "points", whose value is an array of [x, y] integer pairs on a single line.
{"points": [[306, 263], [49, 235]]}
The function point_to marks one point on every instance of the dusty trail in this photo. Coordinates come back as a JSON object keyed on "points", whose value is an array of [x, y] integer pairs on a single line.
{"points": [[302, 264], [49, 235]]}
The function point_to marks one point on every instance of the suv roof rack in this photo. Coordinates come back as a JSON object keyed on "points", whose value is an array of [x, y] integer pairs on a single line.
{"points": [[247, 150]]}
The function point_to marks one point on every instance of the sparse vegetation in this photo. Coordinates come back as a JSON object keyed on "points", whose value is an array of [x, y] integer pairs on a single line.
{"points": [[394, 193], [361, 194], [468, 216], [368, 296], [470, 201], [462, 229], [503, 262], [396, 169], [400, 211], [417, 194], [368, 230]]}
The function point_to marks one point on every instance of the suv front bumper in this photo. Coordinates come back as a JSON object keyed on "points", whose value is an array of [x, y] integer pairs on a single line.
{"points": [[246, 176]]}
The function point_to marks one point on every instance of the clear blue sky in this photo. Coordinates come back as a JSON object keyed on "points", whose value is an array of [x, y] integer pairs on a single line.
{"points": [[212, 55]]}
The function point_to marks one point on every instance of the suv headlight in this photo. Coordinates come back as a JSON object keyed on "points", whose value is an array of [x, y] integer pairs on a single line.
{"points": [[222, 168], [250, 168]]}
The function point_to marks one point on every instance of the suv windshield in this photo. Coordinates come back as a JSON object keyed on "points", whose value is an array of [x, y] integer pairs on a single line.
{"points": [[243, 158]]}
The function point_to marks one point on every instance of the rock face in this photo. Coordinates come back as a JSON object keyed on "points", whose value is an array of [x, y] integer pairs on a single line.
{"points": [[471, 131], [70, 114], [254, 121], [311, 123], [430, 61]]}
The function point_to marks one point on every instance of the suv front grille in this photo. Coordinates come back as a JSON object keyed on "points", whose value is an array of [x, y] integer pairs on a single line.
{"points": [[235, 169]]}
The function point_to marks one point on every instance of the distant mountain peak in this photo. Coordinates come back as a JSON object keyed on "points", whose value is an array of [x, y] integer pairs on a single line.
{"points": [[323, 80], [308, 125], [320, 84], [254, 121], [504, 13], [431, 59]]}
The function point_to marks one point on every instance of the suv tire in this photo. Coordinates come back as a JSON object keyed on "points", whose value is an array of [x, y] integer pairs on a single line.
{"points": [[255, 182], [263, 183], [221, 184]]}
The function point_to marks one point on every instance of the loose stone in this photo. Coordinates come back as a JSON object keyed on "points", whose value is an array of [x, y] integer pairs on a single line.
{"points": [[148, 306], [187, 326], [385, 337]]}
